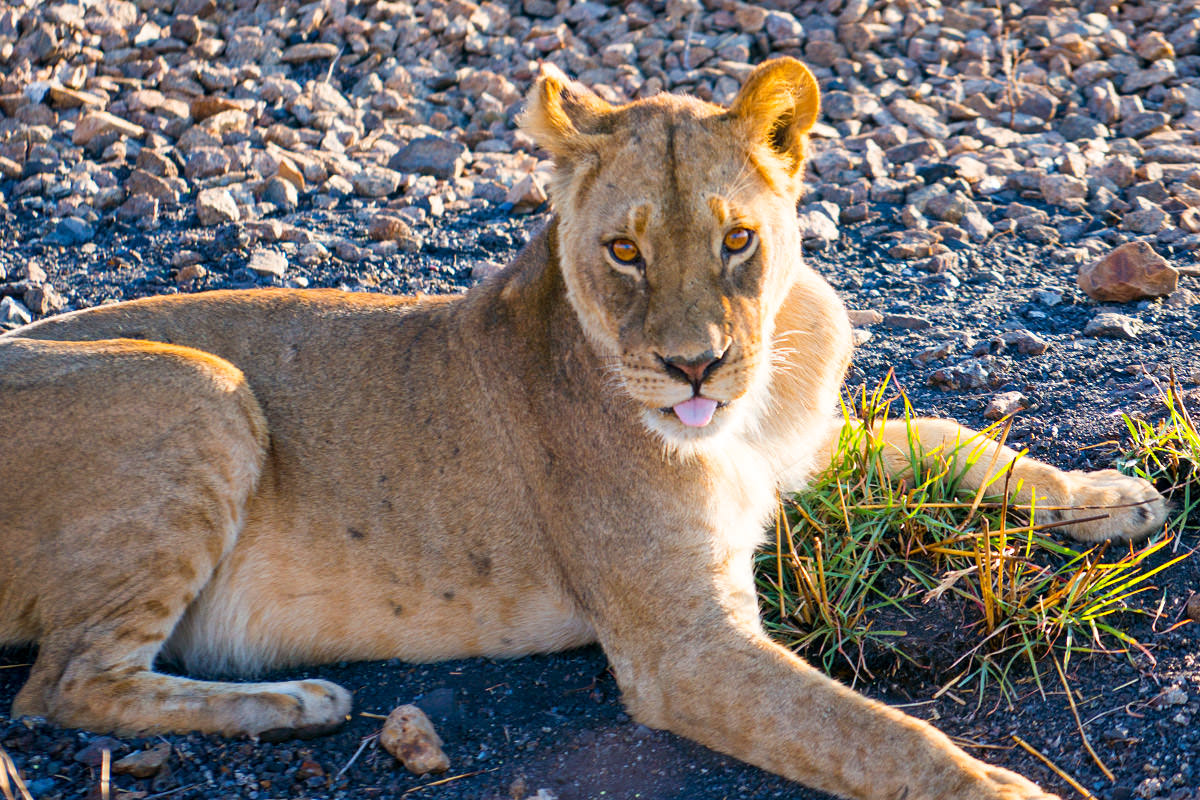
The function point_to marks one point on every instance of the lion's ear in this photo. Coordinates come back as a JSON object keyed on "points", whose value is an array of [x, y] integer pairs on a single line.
{"points": [[778, 105], [562, 115]]}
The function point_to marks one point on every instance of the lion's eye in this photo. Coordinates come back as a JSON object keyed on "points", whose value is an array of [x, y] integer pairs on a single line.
{"points": [[624, 251], [738, 239]]}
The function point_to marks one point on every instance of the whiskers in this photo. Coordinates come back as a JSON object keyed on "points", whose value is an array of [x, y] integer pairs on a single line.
{"points": [[742, 179], [612, 374], [784, 349]]}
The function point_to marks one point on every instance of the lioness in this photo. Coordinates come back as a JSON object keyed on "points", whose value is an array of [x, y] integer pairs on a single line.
{"points": [[584, 448]]}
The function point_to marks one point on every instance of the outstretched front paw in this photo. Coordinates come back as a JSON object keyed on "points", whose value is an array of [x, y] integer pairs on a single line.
{"points": [[1109, 505]]}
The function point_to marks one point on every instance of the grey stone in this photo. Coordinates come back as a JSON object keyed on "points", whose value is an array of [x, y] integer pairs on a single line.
{"points": [[267, 261], [1063, 190], [1111, 325], [1074, 127], [816, 224], [977, 226], [919, 116], [1173, 154], [312, 253], [161, 189], [43, 299], [911, 151], [972, 373], [74, 230], [783, 27], [431, 155], [1161, 72], [206, 162], [140, 210], [375, 181], [1005, 404], [1026, 341], [1147, 122], [282, 193], [216, 206], [1145, 218], [12, 312], [910, 322], [841, 105]]}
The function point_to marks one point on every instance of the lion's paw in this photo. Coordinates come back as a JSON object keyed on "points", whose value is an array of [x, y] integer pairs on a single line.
{"points": [[294, 709], [1109, 505], [1011, 786]]}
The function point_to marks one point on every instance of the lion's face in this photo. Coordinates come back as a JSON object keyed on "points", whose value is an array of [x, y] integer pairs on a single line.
{"points": [[678, 239]]}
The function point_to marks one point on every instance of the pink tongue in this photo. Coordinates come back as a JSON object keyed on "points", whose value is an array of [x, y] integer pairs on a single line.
{"points": [[697, 412]]}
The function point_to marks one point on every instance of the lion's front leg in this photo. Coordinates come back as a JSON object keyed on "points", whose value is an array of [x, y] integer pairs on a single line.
{"points": [[716, 678], [1107, 504]]}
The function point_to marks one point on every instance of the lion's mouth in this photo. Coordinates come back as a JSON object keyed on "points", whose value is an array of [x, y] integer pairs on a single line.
{"points": [[695, 412]]}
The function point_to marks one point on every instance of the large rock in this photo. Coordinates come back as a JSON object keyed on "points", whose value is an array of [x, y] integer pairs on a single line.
{"points": [[409, 736], [1129, 272]]}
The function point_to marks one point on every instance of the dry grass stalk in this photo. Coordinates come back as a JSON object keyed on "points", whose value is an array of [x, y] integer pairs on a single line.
{"points": [[1074, 784], [10, 779]]}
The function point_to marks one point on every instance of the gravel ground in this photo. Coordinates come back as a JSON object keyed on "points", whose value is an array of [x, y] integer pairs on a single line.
{"points": [[972, 160]]}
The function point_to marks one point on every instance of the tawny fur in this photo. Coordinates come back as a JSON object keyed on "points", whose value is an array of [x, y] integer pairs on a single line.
{"points": [[242, 480]]}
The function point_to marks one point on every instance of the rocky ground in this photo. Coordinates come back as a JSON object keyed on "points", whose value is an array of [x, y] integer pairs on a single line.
{"points": [[973, 160]]}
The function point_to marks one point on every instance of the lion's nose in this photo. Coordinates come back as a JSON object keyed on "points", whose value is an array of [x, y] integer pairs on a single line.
{"points": [[693, 370]]}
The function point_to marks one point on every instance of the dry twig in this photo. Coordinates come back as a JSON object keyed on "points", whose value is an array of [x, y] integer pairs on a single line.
{"points": [[1074, 784]]}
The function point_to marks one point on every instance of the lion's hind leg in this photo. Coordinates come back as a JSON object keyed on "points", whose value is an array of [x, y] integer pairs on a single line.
{"points": [[1091, 506], [133, 464]]}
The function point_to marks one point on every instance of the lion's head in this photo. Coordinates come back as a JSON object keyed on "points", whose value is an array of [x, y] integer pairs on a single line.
{"points": [[678, 237]]}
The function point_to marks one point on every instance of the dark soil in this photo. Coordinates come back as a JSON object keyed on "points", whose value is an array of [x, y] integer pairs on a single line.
{"points": [[555, 722]]}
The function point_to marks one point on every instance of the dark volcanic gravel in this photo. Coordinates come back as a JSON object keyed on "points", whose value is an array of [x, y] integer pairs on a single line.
{"points": [[972, 157], [555, 722]]}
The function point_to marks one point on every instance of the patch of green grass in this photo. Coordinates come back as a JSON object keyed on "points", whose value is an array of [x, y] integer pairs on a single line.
{"points": [[861, 545], [1167, 454]]}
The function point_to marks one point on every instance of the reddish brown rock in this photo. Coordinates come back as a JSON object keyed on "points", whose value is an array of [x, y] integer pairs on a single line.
{"points": [[201, 108], [1129, 272], [409, 736]]}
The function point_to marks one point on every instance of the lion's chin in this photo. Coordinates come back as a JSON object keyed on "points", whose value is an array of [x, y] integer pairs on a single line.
{"points": [[688, 431]]}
